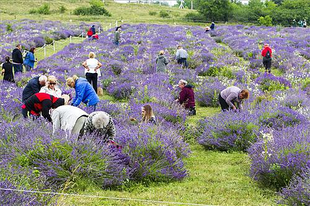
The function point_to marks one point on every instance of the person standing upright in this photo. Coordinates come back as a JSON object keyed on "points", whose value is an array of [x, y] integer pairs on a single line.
{"points": [[117, 35], [267, 57], [7, 70], [92, 70], [181, 56], [30, 59], [212, 27], [17, 58], [161, 62]]}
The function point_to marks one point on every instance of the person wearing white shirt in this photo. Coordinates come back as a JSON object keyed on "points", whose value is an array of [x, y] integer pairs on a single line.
{"points": [[51, 87], [92, 70], [181, 56]]}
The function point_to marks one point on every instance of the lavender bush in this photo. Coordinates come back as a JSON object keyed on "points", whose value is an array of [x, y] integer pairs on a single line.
{"points": [[280, 155], [229, 131], [298, 192]]}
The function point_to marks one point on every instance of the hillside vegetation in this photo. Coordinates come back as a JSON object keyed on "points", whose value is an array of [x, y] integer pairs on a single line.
{"points": [[128, 13]]}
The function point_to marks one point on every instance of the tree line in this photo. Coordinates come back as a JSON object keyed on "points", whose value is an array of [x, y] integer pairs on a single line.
{"points": [[269, 12]]}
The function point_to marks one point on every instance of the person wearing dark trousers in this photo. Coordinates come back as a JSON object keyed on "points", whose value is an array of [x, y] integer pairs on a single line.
{"points": [[181, 56], [117, 35], [7, 70], [187, 97], [212, 26], [232, 98], [267, 58], [84, 92], [92, 70], [17, 58]]}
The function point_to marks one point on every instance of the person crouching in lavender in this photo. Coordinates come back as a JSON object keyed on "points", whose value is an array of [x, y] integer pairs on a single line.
{"points": [[187, 97], [232, 98], [76, 121]]}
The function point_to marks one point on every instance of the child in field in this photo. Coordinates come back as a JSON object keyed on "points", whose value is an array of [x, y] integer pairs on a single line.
{"points": [[7, 70]]}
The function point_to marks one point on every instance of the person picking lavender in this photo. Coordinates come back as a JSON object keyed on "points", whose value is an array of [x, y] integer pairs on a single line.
{"points": [[77, 121], [232, 98], [181, 56], [187, 97], [42, 103], [34, 85], [84, 92]]}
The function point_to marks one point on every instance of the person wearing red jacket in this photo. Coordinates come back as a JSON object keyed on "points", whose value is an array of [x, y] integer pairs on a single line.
{"points": [[187, 97], [42, 102], [267, 57]]}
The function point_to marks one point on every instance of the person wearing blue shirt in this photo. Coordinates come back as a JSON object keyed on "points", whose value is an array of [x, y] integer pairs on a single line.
{"points": [[84, 92], [30, 59]]}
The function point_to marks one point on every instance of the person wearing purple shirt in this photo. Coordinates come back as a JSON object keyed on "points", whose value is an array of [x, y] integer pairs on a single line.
{"points": [[187, 97]]}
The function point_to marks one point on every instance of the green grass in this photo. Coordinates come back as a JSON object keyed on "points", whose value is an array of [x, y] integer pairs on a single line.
{"points": [[215, 178], [123, 13], [59, 45], [202, 112]]}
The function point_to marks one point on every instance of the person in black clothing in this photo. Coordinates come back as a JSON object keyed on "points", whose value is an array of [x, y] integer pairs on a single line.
{"points": [[34, 85], [7, 70], [17, 59], [42, 102]]}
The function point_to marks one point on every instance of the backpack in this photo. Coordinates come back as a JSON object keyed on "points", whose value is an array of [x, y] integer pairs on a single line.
{"points": [[267, 55], [25, 53]]}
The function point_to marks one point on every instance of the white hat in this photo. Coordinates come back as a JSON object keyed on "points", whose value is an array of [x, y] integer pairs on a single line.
{"points": [[100, 120]]}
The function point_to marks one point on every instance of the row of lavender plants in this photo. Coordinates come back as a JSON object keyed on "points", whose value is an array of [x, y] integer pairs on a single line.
{"points": [[156, 154], [31, 33]]}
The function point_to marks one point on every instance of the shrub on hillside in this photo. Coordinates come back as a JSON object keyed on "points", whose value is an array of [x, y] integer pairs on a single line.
{"points": [[96, 8], [195, 17], [44, 9], [152, 13], [164, 14]]}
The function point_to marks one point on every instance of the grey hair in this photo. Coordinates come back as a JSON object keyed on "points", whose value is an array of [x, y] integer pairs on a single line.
{"points": [[100, 120], [183, 82], [42, 78]]}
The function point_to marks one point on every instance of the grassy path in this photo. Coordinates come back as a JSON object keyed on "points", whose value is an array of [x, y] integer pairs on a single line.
{"points": [[215, 178]]}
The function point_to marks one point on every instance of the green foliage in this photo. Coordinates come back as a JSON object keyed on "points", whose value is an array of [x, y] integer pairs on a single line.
{"points": [[195, 17], [219, 71], [215, 10], [164, 14], [268, 85], [44, 9], [48, 40], [152, 13], [96, 8], [265, 21], [62, 9], [9, 28]]}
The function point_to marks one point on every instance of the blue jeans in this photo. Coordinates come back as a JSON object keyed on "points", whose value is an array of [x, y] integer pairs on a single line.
{"points": [[18, 68], [183, 62]]}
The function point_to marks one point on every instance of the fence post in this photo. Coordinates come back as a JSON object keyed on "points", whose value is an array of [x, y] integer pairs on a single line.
{"points": [[192, 5], [70, 39], [44, 46], [99, 30], [115, 23], [54, 46]]}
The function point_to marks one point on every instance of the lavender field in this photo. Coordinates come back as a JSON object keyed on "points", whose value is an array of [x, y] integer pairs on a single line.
{"points": [[273, 130]]}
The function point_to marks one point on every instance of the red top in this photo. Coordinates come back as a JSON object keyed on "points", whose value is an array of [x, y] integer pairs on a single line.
{"points": [[265, 51], [187, 96]]}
